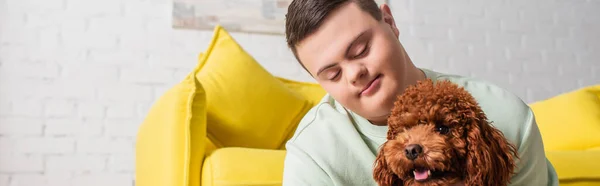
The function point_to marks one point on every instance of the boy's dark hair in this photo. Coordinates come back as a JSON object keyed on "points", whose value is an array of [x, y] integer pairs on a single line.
{"points": [[305, 16]]}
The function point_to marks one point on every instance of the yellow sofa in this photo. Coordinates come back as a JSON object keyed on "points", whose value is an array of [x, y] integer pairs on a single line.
{"points": [[570, 128], [227, 122]]}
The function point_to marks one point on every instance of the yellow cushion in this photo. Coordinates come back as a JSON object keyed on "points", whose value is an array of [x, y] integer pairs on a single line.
{"points": [[246, 105], [570, 121], [243, 166], [312, 92], [576, 167], [170, 141]]}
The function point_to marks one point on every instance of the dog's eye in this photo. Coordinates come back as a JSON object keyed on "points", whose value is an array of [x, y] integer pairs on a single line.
{"points": [[442, 129]]}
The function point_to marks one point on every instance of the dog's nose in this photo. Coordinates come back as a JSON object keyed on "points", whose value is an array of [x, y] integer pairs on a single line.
{"points": [[412, 151]]}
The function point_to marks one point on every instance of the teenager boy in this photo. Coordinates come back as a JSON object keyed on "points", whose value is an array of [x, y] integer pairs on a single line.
{"points": [[351, 48]]}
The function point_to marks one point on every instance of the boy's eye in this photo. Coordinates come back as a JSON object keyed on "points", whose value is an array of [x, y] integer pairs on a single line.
{"points": [[363, 50], [333, 75]]}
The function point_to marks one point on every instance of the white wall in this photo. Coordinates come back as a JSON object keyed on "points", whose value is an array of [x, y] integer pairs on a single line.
{"points": [[77, 76], [534, 48]]}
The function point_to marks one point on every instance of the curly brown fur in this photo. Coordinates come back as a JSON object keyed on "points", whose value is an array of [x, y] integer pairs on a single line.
{"points": [[457, 141]]}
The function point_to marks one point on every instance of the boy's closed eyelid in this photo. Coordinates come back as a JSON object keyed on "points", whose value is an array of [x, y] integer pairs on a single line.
{"points": [[331, 73], [359, 40], [364, 50], [358, 48]]}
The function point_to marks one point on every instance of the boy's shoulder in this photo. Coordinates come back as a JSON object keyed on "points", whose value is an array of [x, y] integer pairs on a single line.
{"points": [[506, 110], [326, 139], [475, 85], [319, 118], [484, 91]]}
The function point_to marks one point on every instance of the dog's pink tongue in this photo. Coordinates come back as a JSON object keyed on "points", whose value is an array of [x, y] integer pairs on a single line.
{"points": [[421, 174]]}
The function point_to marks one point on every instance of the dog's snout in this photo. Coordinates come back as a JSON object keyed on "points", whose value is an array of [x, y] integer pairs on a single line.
{"points": [[412, 151]]}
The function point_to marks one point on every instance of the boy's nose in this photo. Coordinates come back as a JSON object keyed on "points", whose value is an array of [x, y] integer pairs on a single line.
{"points": [[357, 74]]}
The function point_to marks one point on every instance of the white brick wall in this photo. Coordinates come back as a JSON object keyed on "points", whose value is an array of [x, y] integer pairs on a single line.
{"points": [[77, 76], [535, 48]]}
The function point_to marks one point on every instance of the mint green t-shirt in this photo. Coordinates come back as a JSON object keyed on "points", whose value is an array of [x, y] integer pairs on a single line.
{"points": [[334, 146]]}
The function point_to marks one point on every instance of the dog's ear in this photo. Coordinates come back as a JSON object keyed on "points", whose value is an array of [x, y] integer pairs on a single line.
{"points": [[382, 174], [490, 157]]}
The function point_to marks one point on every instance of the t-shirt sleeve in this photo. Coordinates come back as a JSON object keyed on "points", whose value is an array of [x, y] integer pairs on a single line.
{"points": [[300, 169], [534, 168]]}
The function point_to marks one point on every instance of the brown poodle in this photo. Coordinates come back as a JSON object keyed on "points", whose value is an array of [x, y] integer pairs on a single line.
{"points": [[438, 135]]}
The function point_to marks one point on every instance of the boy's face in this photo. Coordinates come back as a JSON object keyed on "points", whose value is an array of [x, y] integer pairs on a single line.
{"points": [[358, 60]]}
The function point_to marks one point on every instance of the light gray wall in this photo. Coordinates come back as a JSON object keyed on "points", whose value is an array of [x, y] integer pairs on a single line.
{"points": [[535, 48]]}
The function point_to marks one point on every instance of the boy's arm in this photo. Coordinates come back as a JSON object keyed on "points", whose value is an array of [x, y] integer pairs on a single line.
{"points": [[300, 169], [533, 166]]}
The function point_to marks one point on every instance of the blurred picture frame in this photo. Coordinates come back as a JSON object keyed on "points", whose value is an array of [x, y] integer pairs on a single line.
{"points": [[249, 16]]}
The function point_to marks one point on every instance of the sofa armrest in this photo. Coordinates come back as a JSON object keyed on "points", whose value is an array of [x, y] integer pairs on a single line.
{"points": [[170, 142], [243, 166]]}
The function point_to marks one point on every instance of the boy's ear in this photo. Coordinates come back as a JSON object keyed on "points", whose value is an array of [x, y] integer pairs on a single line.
{"points": [[388, 18]]}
